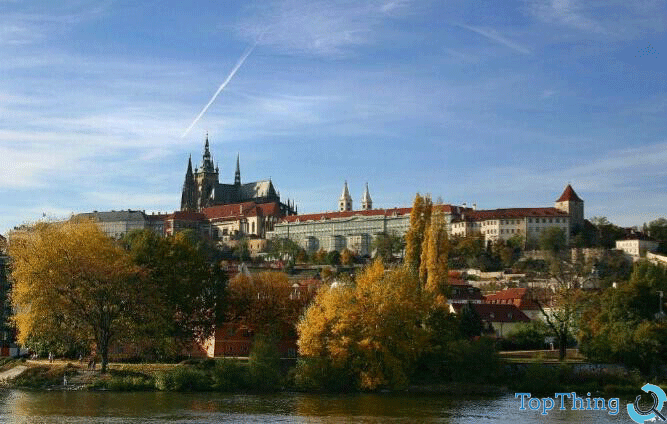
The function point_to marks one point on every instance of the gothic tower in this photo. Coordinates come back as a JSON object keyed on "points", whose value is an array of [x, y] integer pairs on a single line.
{"points": [[572, 204], [366, 201], [237, 175], [206, 179], [189, 195], [345, 201]]}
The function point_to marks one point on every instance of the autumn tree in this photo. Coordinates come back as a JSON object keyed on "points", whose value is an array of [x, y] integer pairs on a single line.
{"points": [[71, 280], [369, 331], [347, 257], [264, 301], [190, 286], [420, 216], [435, 250]]}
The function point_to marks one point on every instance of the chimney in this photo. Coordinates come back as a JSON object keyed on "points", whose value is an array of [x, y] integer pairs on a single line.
{"points": [[474, 206], [464, 205]]}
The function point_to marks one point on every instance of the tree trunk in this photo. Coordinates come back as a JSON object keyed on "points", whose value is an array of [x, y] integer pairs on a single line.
{"points": [[562, 347]]}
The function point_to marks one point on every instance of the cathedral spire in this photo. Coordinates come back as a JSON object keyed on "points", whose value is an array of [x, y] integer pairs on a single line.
{"points": [[188, 196], [237, 175], [207, 162]]}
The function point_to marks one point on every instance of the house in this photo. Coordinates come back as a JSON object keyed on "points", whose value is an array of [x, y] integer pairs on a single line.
{"points": [[522, 298], [503, 318]]}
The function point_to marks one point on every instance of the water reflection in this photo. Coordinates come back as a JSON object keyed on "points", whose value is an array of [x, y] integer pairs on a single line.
{"points": [[158, 407]]}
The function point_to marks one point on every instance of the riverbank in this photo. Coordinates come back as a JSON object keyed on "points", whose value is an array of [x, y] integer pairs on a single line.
{"points": [[234, 376]]}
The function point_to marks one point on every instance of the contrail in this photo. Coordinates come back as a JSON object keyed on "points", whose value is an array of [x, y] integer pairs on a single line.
{"points": [[222, 87]]}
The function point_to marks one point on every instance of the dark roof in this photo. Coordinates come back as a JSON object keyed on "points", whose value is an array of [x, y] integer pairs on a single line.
{"points": [[112, 216], [569, 195], [481, 215], [495, 312]]}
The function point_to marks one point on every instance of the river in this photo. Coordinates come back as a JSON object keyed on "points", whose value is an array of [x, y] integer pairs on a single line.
{"points": [[69, 407]]}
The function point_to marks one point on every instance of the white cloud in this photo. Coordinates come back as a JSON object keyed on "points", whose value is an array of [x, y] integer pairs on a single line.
{"points": [[326, 28]]}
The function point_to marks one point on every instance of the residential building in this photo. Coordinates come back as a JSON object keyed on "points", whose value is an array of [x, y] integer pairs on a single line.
{"points": [[502, 318], [522, 298]]}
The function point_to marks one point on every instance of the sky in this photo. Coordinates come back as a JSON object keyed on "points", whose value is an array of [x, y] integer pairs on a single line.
{"points": [[499, 103]]}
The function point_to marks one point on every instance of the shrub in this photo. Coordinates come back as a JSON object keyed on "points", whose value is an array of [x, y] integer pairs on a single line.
{"points": [[317, 374], [230, 375], [182, 379], [264, 364]]}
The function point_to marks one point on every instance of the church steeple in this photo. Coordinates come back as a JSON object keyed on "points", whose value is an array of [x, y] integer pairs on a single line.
{"points": [[237, 175], [188, 196], [366, 201], [207, 162], [345, 201]]}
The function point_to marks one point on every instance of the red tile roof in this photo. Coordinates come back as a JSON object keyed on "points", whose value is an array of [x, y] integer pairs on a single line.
{"points": [[569, 195], [349, 214], [235, 210], [519, 297], [186, 216]]}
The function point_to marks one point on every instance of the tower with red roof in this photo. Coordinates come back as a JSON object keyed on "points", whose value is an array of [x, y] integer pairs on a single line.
{"points": [[572, 204]]}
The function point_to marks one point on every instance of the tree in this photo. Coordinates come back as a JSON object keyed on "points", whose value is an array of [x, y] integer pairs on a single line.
{"points": [[347, 257], [264, 301], [370, 331], [606, 233], [190, 285], [623, 324], [420, 216], [285, 248], [435, 251], [333, 258], [386, 246], [71, 279], [553, 240], [565, 307]]}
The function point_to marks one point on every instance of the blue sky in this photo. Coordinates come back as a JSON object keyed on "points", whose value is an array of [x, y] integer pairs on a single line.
{"points": [[501, 103]]}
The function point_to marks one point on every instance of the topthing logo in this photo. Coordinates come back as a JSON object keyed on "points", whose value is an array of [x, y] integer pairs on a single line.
{"points": [[640, 415]]}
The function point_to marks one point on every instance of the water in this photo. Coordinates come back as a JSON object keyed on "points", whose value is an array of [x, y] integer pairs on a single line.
{"points": [[157, 407]]}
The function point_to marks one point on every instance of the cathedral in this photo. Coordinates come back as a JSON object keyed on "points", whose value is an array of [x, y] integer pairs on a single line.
{"points": [[202, 188]]}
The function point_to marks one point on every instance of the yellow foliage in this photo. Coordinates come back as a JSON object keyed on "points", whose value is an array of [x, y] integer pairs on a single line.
{"points": [[371, 327], [72, 277]]}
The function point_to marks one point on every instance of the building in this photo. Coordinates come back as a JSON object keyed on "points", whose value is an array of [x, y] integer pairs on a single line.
{"points": [[202, 188], [502, 318], [522, 298], [115, 224], [637, 246], [356, 230]]}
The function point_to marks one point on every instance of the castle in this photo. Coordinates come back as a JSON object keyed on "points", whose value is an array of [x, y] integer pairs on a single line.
{"points": [[202, 188]]}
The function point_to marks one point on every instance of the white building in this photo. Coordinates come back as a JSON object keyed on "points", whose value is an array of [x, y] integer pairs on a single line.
{"points": [[637, 247], [356, 230]]}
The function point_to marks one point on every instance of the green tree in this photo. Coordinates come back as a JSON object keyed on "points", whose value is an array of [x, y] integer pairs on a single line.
{"points": [[72, 281], [333, 258], [470, 323], [606, 233], [553, 240], [623, 324], [190, 288], [387, 246]]}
